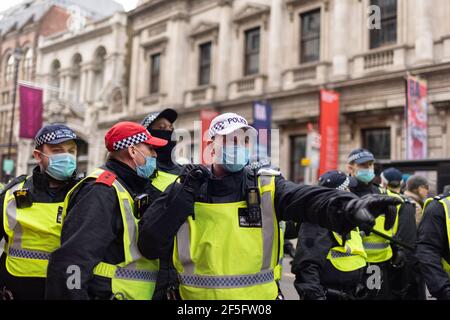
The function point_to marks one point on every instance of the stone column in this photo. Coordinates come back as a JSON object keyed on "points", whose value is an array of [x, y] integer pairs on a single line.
{"points": [[224, 48], [274, 45], [424, 32], [340, 38], [175, 65]]}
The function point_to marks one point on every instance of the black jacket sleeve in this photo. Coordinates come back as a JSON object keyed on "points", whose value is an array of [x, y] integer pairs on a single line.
{"points": [[432, 245], [88, 231], [407, 229], [318, 205], [162, 219], [310, 256]]}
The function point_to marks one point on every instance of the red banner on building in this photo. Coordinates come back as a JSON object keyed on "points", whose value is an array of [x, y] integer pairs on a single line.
{"points": [[206, 116], [329, 130], [416, 119], [31, 109]]}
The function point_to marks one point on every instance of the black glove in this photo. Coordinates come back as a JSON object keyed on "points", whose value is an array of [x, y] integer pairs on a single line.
{"points": [[363, 212], [444, 294], [193, 176], [398, 260]]}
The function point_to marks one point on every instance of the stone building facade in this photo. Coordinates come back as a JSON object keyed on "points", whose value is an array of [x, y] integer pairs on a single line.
{"points": [[21, 28], [224, 55]]}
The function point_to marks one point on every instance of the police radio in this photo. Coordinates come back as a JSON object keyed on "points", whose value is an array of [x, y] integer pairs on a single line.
{"points": [[141, 203], [253, 205]]}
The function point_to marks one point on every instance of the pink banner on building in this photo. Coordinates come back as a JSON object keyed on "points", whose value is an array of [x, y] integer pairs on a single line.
{"points": [[329, 130], [416, 119], [31, 109]]}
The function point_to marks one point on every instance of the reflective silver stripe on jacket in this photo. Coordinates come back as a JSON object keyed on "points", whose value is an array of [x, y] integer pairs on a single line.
{"points": [[218, 282], [267, 223], [266, 275], [28, 254], [11, 212], [375, 245], [133, 274], [129, 215], [338, 254]]}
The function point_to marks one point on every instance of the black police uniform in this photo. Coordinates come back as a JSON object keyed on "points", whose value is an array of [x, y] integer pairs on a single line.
{"points": [[93, 221], [315, 275], [432, 247], [167, 275], [29, 288]]}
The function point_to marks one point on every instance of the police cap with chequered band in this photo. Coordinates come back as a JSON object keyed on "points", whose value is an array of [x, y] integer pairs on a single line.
{"points": [[54, 134], [126, 134], [227, 123], [169, 114]]}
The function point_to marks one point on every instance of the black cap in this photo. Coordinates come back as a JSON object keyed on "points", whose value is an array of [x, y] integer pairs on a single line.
{"points": [[169, 114], [392, 175], [360, 156], [337, 180], [54, 134]]}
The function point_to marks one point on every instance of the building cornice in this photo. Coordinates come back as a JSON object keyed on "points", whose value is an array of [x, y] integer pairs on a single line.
{"points": [[75, 39]]}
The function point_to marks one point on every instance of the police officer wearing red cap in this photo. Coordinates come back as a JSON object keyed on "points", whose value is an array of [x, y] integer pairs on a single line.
{"points": [[98, 257], [226, 220], [328, 265], [160, 124], [31, 213]]}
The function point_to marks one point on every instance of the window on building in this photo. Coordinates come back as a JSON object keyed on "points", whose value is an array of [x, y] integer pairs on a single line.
{"points": [[28, 64], [298, 152], [310, 36], [252, 44], [204, 73], [378, 141], [387, 34], [155, 72], [9, 69]]}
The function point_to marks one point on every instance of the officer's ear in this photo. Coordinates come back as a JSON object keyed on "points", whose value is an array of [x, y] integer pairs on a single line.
{"points": [[210, 146], [350, 169], [37, 155], [132, 152]]}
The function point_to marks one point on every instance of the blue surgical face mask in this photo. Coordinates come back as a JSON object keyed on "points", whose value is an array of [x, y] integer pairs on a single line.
{"points": [[365, 175], [145, 171], [61, 166], [234, 158]]}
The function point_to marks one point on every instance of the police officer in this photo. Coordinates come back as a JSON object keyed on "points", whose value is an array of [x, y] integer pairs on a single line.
{"points": [[31, 213], [328, 265], [433, 246], [98, 257], [226, 220], [160, 125], [404, 276]]}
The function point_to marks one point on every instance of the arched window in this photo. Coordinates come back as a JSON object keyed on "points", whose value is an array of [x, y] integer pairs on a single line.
{"points": [[55, 78], [76, 77], [9, 69], [99, 72], [28, 64]]}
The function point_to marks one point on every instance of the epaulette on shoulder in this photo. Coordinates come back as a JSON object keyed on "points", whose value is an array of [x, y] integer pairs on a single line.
{"points": [[106, 178], [13, 182], [268, 172]]}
